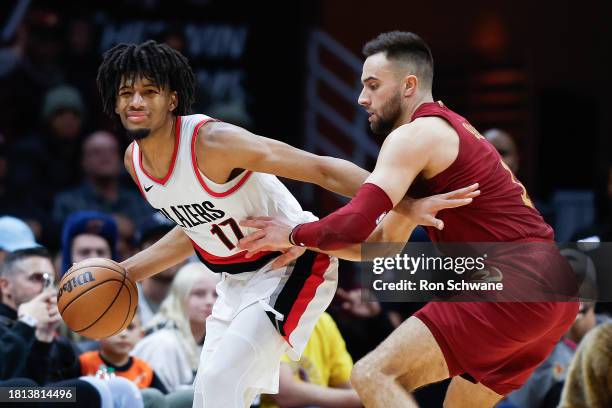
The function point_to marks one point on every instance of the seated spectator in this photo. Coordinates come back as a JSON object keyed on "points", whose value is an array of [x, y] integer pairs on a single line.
{"points": [[101, 189], [29, 346], [589, 380], [321, 377], [15, 235], [114, 357], [88, 234], [152, 291], [176, 333]]}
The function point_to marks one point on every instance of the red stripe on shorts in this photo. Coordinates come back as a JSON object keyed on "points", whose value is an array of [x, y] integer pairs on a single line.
{"points": [[320, 265]]}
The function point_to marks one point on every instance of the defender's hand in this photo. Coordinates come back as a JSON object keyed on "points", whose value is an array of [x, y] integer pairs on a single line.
{"points": [[289, 256], [273, 235], [423, 211]]}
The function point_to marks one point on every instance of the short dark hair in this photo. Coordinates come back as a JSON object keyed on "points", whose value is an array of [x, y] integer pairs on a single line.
{"points": [[13, 257], [407, 47], [157, 62]]}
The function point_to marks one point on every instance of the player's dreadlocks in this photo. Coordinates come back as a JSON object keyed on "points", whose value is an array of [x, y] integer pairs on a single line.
{"points": [[156, 62]]}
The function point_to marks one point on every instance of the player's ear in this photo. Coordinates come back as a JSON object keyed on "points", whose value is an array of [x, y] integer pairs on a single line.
{"points": [[410, 85], [173, 101]]}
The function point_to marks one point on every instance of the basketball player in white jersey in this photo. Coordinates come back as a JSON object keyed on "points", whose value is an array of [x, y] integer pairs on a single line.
{"points": [[206, 176]]}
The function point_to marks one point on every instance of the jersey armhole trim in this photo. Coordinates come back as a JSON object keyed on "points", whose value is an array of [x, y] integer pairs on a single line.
{"points": [[194, 161], [136, 179]]}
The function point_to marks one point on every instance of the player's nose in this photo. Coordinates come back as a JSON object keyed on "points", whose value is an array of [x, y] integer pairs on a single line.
{"points": [[363, 100], [137, 100]]}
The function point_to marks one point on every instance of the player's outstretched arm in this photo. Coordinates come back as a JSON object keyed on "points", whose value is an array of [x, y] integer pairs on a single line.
{"points": [[172, 248], [405, 153], [399, 223], [238, 148]]}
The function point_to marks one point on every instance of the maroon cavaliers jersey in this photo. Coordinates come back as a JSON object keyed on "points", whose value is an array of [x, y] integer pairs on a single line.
{"points": [[502, 212]]}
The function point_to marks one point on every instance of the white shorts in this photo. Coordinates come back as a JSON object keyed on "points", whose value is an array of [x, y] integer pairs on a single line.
{"points": [[259, 316]]}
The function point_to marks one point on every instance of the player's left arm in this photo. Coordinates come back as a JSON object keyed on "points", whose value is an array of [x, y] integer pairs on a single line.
{"points": [[238, 148], [404, 154]]}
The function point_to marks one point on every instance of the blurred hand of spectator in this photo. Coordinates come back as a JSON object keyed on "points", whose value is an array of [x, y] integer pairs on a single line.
{"points": [[46, 332], [39, 310]]}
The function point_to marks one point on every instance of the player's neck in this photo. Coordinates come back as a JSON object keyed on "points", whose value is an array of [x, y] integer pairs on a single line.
{"points": [[408, 112], [157, 149], [425, 98]]}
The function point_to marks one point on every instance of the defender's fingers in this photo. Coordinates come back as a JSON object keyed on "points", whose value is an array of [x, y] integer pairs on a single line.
{"points": [[259, 224], [458, 202], [243, 243], [461, 191]]}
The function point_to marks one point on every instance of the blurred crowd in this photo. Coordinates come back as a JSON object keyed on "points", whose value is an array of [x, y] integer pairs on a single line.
{"points": [[65, 197]]}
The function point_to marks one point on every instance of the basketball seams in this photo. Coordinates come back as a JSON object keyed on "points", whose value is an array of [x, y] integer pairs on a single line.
{"points": [[123, 325], [131, 313], [87, 290], [109, 305]]}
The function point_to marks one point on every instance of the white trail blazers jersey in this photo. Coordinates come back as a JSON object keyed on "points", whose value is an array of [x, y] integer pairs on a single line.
{"points": [[209, 212]]}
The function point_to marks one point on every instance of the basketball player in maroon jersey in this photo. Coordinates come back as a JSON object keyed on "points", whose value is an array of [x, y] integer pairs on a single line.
{"points": [[489, 349]]}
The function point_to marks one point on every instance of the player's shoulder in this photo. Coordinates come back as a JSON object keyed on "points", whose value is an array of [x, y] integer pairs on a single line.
{"points": [[127, 159], [426, 131], [216, 134]]}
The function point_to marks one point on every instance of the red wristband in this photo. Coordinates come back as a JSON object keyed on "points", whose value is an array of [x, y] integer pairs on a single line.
{"points": [[351, 224]]}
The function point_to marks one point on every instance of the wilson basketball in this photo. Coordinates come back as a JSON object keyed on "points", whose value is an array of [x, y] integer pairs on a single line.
{"points": [[96, 299]]}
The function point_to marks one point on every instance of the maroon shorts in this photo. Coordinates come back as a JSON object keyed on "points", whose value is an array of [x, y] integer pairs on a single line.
{"points": [[497, 344]]}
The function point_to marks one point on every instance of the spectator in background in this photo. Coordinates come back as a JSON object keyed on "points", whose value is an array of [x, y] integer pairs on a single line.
{"points": [[321, 377], [43, 164], [589, 381], [49, 357], [505, 146], [30, 352], [101, 189], [152, 291], [114, 357], [175, 335], [88, 234], [14, 236]]}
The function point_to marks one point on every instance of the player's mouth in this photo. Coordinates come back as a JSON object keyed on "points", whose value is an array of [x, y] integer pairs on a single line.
{"points": [[371, 116], [136, 116]]}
